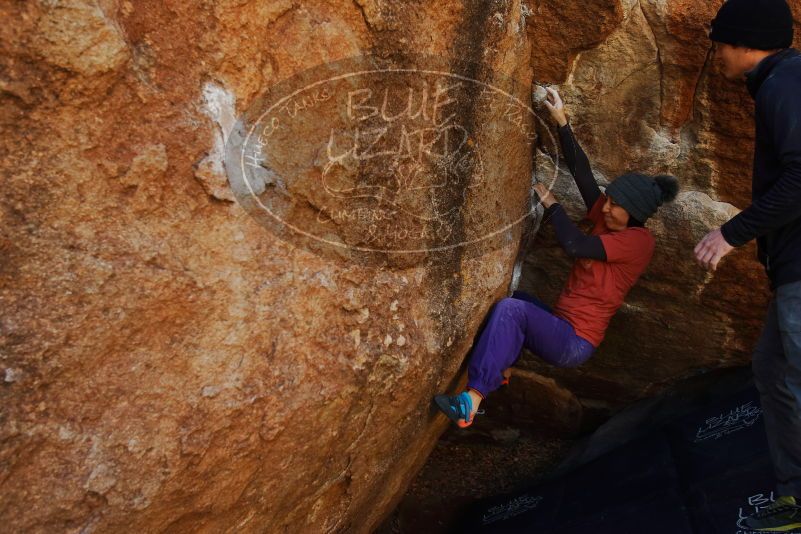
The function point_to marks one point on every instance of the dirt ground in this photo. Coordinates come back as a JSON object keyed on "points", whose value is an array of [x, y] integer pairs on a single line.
{"points": [[467, 464]]}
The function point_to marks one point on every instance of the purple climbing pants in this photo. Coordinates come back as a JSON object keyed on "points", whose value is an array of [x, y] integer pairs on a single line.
{"points": [[516, 322]]}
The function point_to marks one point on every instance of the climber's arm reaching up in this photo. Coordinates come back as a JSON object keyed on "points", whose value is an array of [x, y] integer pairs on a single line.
{"points": [[573, 241], [575, 158]]}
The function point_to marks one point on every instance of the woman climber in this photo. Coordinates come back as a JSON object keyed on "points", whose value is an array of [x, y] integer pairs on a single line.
{"points": [[607, 263]]}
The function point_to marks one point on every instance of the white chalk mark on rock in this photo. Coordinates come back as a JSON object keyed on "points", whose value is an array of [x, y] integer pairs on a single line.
{"points": [[219, 105]]}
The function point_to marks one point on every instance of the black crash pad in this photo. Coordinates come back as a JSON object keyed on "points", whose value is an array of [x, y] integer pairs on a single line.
{"points": [[693, 460]]}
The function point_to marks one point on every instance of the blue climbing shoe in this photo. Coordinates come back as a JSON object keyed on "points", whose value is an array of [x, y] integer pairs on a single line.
{"points": [[458, 408]]}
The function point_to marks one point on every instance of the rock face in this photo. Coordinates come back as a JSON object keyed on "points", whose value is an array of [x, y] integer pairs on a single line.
{"points": [[170, 365]]}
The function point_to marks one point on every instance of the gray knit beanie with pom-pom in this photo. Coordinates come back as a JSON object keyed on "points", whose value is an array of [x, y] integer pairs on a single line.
{"points": [[641, 195]]}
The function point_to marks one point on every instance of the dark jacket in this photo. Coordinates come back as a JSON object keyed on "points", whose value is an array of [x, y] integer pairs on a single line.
{"points": [[774, 216]]}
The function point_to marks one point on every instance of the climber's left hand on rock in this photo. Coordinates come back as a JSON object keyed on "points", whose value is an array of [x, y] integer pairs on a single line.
{"points": [[555, 106], [546, 197]]}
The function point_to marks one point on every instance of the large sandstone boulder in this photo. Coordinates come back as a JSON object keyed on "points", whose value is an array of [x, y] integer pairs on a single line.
{"points": [[169, 364]]}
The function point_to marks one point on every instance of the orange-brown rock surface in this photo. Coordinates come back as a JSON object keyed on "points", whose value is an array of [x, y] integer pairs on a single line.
{"points": [[169, 365]]}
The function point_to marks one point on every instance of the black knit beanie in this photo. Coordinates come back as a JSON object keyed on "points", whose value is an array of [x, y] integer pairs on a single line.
{"points": [[760, 24], [641, 195]]}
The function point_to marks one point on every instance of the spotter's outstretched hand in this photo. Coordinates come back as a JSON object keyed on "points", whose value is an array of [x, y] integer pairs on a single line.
{"points": [[711, 249]]}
